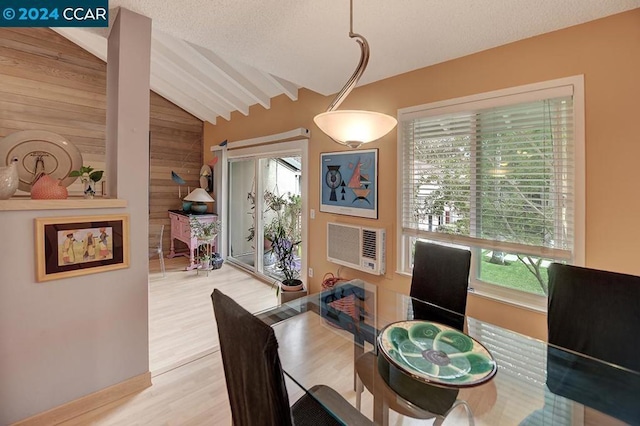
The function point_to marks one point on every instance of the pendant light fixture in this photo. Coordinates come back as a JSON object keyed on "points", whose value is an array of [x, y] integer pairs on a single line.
{"points": [[354, 127]]}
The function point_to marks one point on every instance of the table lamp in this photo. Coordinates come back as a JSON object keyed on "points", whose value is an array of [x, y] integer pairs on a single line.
{"points": [[199, 197]]}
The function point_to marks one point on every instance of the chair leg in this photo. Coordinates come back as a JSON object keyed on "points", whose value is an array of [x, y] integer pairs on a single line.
{"points": [[162, 263], [467, 409], [359, 390]]}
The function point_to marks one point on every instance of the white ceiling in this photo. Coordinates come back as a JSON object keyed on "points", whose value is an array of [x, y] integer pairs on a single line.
{"points": [[268, 47]]}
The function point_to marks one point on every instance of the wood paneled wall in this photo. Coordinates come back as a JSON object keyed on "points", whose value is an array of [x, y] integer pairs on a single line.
{"points": [[49, 83], [176, 144]]}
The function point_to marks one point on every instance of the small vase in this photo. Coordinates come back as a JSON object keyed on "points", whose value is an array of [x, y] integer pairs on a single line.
{"points": [[89, 189]]}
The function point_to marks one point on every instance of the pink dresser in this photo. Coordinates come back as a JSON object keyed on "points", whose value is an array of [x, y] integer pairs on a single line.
{"points": [[181, 230]]}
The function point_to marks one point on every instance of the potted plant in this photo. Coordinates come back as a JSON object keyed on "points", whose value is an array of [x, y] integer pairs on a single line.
{"points": [[205, 261], [284, 250], [282, 237], [204, 231], [89, 177], [273, 201]]}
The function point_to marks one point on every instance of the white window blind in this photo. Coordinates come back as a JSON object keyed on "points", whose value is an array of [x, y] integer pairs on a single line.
{"points": [[493, 177]]}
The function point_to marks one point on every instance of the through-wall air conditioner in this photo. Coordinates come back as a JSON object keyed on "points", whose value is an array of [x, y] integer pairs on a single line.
{"points": [[356, 247]]}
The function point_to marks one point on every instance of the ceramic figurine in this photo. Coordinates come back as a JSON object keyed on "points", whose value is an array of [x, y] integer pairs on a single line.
{"points": [[9, 180]]}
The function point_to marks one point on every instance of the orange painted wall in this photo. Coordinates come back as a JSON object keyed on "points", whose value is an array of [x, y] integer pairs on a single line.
{"points": [[606, 51]]}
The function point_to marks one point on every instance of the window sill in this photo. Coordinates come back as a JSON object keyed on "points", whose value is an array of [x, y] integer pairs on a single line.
{"points": [[522, 304], [23, 203], [510, 297]]}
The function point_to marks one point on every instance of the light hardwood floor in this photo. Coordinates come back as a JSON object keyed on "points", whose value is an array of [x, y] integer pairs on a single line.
{"points": [[181, 323]]}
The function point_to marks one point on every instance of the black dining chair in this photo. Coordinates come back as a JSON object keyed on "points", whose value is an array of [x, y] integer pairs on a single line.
{"points": [[596, 313], [255, 379], [441, 278]]}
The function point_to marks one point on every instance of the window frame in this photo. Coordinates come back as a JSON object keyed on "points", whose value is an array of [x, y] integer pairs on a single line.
{"points": [[508, 96]]}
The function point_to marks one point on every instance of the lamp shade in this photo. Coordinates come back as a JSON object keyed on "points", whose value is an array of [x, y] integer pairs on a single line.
{"points": [[199, 195], [353, 127]]}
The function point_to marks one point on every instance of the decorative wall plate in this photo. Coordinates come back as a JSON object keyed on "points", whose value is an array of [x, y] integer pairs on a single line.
{"points": [[40, 151], [437, 354]]}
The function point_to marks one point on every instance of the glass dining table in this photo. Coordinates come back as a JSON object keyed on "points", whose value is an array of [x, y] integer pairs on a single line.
{"points": [[410, 362]]}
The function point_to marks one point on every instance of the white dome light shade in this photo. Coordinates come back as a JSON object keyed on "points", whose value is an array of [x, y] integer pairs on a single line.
{"points": [[353, 127], [199, 195]]}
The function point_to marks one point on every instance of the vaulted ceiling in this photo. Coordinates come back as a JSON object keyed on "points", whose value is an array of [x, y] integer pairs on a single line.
{"points": [[215, 57], [197, 79]]}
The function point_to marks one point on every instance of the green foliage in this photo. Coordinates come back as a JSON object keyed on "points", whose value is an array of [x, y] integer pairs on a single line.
{"points": [[284, 231], [273, 201], [284, 248], [204, 231], [87, 173], [251, 197], [444, 182], [512, 275], [512, 187], [516, 204]]}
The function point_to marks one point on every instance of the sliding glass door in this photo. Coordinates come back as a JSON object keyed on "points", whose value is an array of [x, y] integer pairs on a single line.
{"points": [[265, 200], [281, 212], [242, 212]]}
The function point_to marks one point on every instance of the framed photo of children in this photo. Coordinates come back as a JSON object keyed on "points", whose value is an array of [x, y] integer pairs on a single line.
{"points": [[79, 245]]}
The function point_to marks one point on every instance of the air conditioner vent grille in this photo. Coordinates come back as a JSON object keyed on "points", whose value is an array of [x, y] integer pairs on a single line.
{"points": [[344, 243], [369, 244], [356, 247]]}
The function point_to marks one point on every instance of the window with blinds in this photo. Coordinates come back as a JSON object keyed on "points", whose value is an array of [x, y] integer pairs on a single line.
{"points": [[495, 174]]}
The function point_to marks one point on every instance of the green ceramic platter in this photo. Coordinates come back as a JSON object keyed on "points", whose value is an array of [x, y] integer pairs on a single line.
{"points": [[436, 353]]}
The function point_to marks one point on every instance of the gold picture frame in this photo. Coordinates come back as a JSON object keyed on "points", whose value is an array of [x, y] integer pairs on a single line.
{"points": [[78, 245]]}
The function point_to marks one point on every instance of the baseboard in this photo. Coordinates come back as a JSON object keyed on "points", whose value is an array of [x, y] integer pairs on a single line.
{"points": [[89, 402]]}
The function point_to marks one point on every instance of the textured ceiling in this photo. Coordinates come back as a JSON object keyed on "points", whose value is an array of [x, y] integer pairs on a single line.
{"points": [[212, 58], [306, 41]]}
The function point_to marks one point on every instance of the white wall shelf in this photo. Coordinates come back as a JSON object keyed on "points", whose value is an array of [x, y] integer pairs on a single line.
{"points": [[19, 203]]}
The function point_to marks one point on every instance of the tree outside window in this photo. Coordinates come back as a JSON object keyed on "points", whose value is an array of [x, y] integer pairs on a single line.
{"points": [[497, 178]]}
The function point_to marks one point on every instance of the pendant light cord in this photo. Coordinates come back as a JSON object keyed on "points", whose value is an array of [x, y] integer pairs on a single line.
{"points": [[362, 65]]}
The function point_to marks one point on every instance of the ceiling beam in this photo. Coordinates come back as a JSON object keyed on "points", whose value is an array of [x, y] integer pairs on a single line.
{"points": [[288, 88], [92, 43], [177, 77], [196, 79], [174, 50], [193, 106], [234, 77]]}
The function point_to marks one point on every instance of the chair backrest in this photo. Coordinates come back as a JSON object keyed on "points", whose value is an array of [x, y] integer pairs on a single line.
{"points": [[156, 233], [596, 313], [252, 369], [440, 276]]}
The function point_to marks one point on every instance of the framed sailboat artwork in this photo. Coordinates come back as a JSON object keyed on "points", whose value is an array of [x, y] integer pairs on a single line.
{"points": [[349, 183]]}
